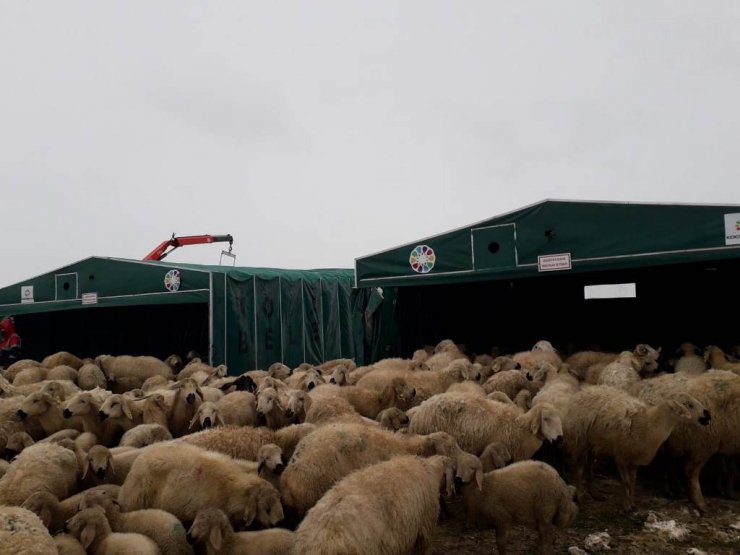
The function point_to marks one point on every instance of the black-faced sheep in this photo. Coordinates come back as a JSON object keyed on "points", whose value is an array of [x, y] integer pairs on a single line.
{"points": [[529, 493], [389, 507]]}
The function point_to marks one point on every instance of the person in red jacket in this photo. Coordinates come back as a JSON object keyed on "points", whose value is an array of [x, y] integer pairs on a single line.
{"points": [[10, 344]]}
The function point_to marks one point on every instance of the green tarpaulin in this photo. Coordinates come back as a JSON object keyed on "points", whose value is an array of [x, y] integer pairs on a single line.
{"points": [[253, 316], [560, 237]]}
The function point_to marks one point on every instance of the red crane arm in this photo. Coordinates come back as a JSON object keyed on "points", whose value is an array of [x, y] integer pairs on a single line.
{"points": [[159, 252]]}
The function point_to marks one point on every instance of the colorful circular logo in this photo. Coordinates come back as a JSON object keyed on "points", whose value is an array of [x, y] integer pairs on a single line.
{"points": [[422, 259], [172, 280]]}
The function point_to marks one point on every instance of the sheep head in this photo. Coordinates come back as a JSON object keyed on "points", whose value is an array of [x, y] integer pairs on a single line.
{"points": [[543, 421], [43, 504], [115, 406], [36, 404], [689, 408], [267, 401], [312, 379], [208, 416], [298, 404], [263, 504], [468, 468], [80, 404], [393, 419], [495, 456], [270, 456], [210, 525], [99, 461], [278, 370], [339, 375], [89, 524]]}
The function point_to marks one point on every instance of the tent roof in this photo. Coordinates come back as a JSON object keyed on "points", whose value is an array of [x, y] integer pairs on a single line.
{"points": [[572, 236], [124, 282]]}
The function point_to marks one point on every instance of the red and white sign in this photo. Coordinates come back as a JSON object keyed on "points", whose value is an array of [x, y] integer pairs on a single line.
{"points": [[554, 262]]}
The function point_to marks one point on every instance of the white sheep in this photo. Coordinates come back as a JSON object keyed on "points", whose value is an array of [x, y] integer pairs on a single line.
{"points": [[622, 372], [160, 526], [331, 452], [244, 442], [425, 383], [53, 513], [690, 361], [91, 527], [89, 376], [717, 359], [62, 358], [67, 544], [182, 479], [145, 434], [21, 531], [212, 527], [238, 408], [529, 493], [475, 422], [607, 422], [41, 467], [389, 507], [719, 392]]}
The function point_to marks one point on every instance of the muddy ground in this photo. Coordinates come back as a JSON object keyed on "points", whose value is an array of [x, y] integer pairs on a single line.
{"points": [[711, 534]]}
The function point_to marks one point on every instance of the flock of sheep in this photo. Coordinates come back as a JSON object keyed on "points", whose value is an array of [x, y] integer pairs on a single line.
{"points": [[132, 454]]}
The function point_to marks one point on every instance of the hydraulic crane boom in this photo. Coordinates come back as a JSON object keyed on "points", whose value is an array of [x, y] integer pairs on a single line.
{"points": [[161, 251]]}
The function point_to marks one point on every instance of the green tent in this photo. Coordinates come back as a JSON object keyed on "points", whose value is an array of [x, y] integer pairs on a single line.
{"points": [[244, 317], [526, 275]]}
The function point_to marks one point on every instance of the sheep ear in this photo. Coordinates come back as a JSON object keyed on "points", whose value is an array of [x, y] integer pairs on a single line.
{"points": [[127, 409], [260, 467], [199, 393], [449, 481], [45, 516], [215, 537], [88, 535], [194, 419], [250, 511], [84, 470], [220, 419], [111, 466], [641, 350], [479, 477]]}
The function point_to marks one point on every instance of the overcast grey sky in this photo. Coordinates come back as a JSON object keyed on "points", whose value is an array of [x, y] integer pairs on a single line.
{"points": [[316, 132]]}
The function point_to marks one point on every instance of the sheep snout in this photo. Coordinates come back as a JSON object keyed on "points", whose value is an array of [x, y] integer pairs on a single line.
{"points": [[21, 414], [102, 415], [190, 399], [67, 413], [705, 418]]}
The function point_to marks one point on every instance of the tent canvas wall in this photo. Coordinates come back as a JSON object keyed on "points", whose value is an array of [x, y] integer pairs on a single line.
{"points": [[520, 277], [243, 317]]}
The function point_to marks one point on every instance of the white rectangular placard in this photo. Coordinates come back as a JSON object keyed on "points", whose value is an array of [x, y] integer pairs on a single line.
{"points": [[554, 262], [89, 298], [26, 294], [732, 229]]}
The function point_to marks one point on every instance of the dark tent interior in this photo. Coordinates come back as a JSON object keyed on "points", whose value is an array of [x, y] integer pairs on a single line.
{"points": [[693, 302], [158, 330]]}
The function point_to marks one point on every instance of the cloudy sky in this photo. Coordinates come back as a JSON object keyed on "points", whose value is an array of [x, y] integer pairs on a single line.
{"points": [[316, 132]]}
